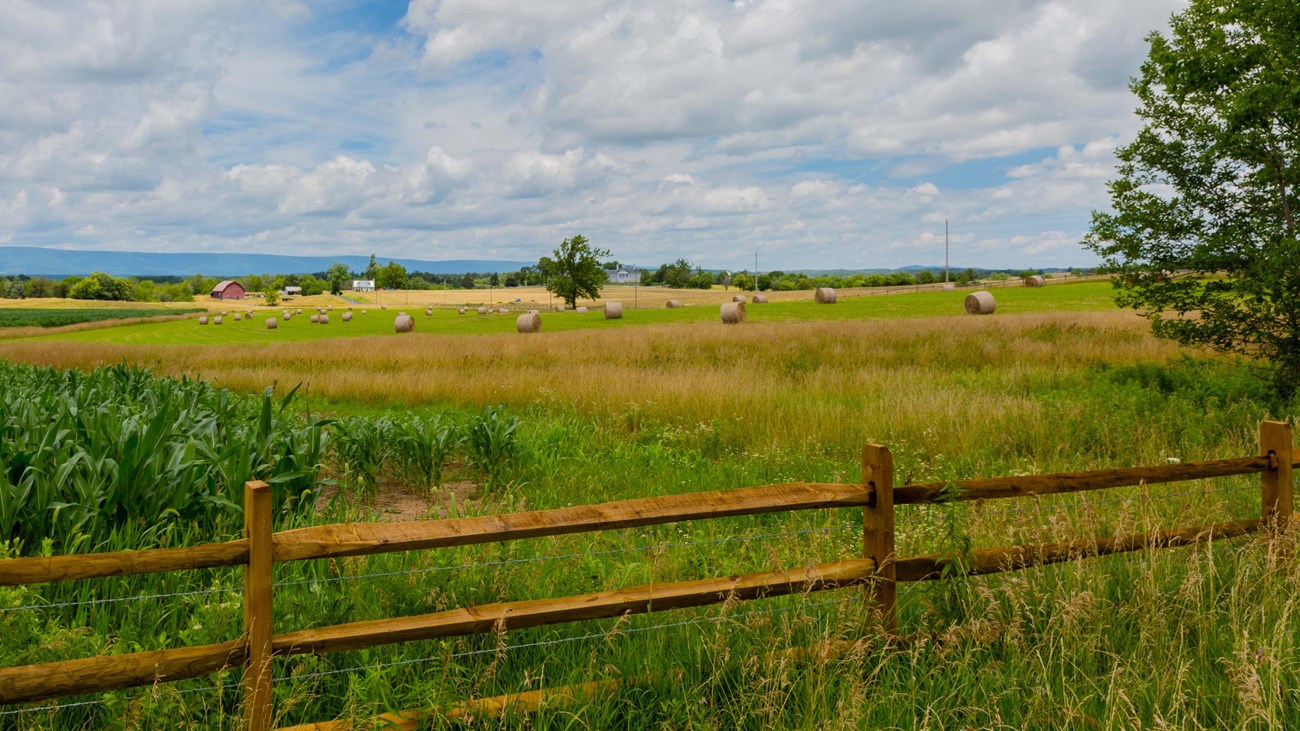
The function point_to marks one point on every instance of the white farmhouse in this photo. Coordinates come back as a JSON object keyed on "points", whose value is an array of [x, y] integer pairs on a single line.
{"points": [[363, 285], [623, 275]]}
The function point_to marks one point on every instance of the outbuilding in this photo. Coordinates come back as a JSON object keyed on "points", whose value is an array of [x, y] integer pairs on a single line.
{"points": [[228, 290], [363, 285]]}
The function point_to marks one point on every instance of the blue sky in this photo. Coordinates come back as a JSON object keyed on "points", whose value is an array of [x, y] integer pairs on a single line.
{"points": [[832, 134]]}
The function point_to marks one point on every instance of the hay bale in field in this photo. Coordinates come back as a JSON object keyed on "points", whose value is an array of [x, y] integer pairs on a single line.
{"points": [[315, 319], [502, 311], [673, 304], [613, 310], [237, 316], [738, 298], [203, 320], [760, 299], [287, 316], [824, 296], [383, 307], [980, 303], [347, 317], [482, 310], [330, 308], [216, 320], [404, 323], [733, 313], [529, 323], [428, 312], [324, 319], [1035, 281], [461, 310], [581, 310], [297, 312], [272, 323], [949, 287], [363, 312]]}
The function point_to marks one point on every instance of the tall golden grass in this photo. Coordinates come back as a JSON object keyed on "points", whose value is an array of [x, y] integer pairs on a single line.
{"points": [[971, 383]]}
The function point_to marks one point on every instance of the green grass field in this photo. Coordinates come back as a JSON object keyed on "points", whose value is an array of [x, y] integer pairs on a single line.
{"points": [[1203, 637], [1073, 297], [45, 317]]}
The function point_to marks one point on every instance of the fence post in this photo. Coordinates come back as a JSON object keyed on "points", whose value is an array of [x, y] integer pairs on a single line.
{"points": [[1276, 493], [878, 533], [257, 606]]}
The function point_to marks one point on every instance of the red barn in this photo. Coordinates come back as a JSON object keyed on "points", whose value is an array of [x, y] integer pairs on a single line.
{"points": [[228, 290]]}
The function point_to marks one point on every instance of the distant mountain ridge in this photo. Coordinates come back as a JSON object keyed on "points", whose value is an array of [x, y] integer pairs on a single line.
{"points": [[38, 261]]}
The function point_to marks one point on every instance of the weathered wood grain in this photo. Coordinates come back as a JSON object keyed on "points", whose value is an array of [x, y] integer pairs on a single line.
{"points": [[258, 699], [1063, 482], [113, 672], [996, 560], [16, 571], [359, 539], [878, 534], [538, 612]]}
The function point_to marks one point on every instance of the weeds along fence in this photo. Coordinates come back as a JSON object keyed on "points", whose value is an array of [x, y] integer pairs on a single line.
{"points": [[877, 569]]}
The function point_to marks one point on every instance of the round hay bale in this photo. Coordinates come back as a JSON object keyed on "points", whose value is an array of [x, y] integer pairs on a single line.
{"points": [[238, 317], [287, 316], [330, 308], [297, 312], [613, 310], [760, 299], [324, 319], [347, 317], [529, 323], [502, 311], [1035, 281], [738, 298], [404, 323], [949, 287], [581, 310], [980, 303], [733, 313], [824, 296], [315, 319], [461, 310], [482, 310], [363, 312], [383, 307], [216, 320], [272, 323], [203, 320], [673, 304], [428, 312]]}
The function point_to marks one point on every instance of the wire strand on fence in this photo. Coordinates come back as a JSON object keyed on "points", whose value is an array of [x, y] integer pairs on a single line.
{"points": [[564, 640], [135, 598], [100, 702]]}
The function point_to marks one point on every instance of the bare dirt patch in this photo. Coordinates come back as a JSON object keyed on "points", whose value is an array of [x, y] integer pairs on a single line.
{"points": [[397, 503]]}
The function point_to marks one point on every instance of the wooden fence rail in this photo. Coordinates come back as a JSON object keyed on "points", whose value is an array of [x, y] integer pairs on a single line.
{"points": [[877, 569]]}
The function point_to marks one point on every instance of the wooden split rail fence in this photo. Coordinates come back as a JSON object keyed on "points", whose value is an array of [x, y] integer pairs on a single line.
{"points": [[877, 569]]}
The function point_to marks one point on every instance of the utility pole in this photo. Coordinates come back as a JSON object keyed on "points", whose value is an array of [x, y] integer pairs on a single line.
{"points": [[945, 251], [636, 283], [755, 271]]}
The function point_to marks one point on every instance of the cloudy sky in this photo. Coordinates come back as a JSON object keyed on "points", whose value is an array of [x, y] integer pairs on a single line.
{"points": [[838, 133]]}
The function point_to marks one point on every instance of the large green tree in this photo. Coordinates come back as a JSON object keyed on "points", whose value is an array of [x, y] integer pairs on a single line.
{"points": [[338, 275], [1202, 231], [573, 270]]}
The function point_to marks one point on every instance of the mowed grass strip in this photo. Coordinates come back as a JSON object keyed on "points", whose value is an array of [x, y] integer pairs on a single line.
{"points": [[1075, 297]]}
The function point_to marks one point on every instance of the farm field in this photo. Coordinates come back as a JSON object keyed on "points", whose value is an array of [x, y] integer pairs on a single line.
{"points": [[1056, 380], [1081, 296]]}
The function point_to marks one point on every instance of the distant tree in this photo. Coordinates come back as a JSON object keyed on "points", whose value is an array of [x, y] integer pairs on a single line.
{"points": [[253, 283], [391, 276], [372, 269], [765, 282], [311, 285], [12, 289], [925, 276], [467, 281], [701, 280], [574, 269], [743, 281], [101, 286], [271, 297], [40, 287], [512, 279], [338, 275], [676, 275], [1203, 231], [495, 280], [144, 291]]}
